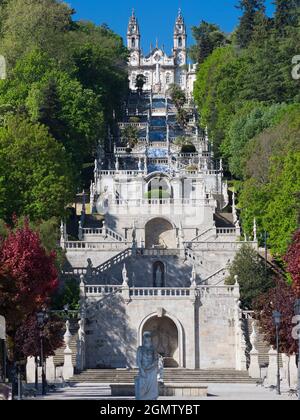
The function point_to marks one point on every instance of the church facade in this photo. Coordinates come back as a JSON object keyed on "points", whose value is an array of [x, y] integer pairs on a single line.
{"points": [[159, 69], [157, 234]]}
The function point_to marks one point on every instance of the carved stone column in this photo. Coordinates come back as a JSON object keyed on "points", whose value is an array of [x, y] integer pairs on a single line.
{"points": [[241, 362], [254, 368], [68, 368]]}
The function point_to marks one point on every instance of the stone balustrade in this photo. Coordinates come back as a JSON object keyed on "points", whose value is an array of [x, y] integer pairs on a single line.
{"points": [[112, 173], [160, 292], [222, 290], [159, 252], [103, 232], [104, 245], [102, 290], [133, 124], [163, 292], [212, 246], [113, 261], [158, 202], [227, 231]]}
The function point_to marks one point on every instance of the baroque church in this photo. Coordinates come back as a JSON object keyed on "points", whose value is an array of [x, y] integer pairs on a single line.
{"points": [[159, 69], [157, 233]]}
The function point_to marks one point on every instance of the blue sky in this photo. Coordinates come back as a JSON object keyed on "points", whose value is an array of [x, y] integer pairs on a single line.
{"points": [[157, 17]]}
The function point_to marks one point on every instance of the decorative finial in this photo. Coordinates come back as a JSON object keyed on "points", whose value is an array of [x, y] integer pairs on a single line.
{"points": [[156, 43], [133, 13]]}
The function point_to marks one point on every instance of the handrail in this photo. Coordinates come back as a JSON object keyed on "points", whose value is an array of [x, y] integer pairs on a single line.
{"points": [[215, 275], [113, 261], [104, 232]]}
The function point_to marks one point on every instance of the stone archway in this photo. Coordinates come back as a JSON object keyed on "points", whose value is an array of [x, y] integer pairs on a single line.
{"points": [[159, 233], [165, 339]]}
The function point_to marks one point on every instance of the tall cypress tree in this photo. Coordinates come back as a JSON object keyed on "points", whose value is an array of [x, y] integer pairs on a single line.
{"points": [[286, 14], [248, 21]]}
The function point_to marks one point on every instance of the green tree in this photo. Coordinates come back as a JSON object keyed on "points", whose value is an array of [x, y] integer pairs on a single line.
{"points": [[140, 82], [208, 37], [130, 136], [31, 24], [73, 114], [286, 15], [100, 59], [38, 175], [177, 96], [247, 123], [248, 21], [253, 277], [271, 190], [67, 295]]}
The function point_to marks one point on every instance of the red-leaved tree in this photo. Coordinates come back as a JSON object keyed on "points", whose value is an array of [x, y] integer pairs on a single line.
{"points": [[28, 277], [282, 299], [27, 338], [292, 259]]}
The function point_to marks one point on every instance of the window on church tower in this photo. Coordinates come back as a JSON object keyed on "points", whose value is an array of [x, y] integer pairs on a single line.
{"points": [[133, 42], [179, 42], [168, 78]]}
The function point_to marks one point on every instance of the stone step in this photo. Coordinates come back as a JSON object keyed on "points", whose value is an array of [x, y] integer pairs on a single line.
{"points": [[170, 375]]}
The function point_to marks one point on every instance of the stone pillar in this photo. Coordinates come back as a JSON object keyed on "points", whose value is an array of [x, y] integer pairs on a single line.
{"points": [[293, 372], [254, 368], [50, 369], [30, 370], [286, 382], [68, 368], [240, 342], [272, 368]]}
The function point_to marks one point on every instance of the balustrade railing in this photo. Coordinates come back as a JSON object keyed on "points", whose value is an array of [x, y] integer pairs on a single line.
{"points": [[158, 202], [133, 124], [163, 292], [102, 290], [106, 232], [105, 245]]}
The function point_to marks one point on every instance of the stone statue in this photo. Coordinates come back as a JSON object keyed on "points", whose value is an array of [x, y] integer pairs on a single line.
{"points": [[146, 383], [89, 269]]}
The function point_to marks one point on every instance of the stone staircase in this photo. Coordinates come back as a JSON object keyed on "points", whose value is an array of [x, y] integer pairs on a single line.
{"points": [[180, 376]]}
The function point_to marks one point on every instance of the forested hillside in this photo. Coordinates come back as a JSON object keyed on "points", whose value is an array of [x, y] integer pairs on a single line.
{"points": [[250, 103], [64, 81]]}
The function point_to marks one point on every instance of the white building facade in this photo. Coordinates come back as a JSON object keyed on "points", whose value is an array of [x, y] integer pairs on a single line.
{"points": [[159, 69]]}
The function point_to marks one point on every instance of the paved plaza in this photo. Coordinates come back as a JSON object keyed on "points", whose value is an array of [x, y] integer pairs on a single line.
{"points": [[216, 392]]}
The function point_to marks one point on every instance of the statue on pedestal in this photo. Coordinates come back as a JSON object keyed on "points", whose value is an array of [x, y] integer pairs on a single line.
{"points": [[146, 383]]}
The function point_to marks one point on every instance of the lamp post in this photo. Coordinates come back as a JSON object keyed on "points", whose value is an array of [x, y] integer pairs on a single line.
{"points": [[277, 320], [42, 318], [297, 313]]}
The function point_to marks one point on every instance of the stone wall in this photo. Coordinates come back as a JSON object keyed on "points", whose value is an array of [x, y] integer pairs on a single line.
{"points": [[206, 329]]}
